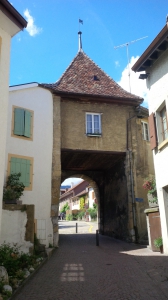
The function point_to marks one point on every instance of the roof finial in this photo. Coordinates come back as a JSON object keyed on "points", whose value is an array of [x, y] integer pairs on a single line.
{"points": [[80, 38], [80, 41], [167, 19]]}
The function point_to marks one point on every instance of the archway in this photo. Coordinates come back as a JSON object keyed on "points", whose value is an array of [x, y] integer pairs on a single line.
{"points": [[94, 186], [107, 172]]}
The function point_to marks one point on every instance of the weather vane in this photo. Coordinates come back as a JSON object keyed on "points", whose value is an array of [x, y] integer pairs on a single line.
{"points": [[80, 22]]}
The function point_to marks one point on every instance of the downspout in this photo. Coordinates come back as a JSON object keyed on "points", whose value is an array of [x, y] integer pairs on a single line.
{"points": [[132, 182], [133, 197]]}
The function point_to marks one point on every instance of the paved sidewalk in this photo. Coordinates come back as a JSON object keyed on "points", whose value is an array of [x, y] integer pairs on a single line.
{"points": [[115, 270]]}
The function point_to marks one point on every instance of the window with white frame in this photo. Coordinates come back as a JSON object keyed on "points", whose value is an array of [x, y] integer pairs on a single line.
{"points": [[145, 131], [163, 120], [93, 124], [161, 123]]}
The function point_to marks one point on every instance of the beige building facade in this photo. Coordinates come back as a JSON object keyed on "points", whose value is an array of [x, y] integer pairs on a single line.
{"points": [[98, 136]]}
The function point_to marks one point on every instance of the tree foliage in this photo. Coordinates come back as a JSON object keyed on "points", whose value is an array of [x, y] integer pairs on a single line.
{"points": [[65, 208], [82, 202]]}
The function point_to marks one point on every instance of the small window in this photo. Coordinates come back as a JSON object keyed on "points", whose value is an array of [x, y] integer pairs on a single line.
{"points": [[163, 119], [93, 124], [23, 165], [145, 131], [22, 123]]}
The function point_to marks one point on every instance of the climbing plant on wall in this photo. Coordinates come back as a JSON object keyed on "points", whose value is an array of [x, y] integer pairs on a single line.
{"points": [[82, 202]]}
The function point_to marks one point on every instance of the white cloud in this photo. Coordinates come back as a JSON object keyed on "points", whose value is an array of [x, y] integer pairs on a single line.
{"points": [[138, 86], [31, 27], [117, 64]]}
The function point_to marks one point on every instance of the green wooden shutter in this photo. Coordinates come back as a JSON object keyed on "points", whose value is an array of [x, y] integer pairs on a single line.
{"points": [[25, 172], [20, 165], [14, 165], [27, 128], [19, 121]]}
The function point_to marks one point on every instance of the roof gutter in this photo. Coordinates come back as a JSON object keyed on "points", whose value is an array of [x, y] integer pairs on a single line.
{"points": [[13, 14], [152, 47]]}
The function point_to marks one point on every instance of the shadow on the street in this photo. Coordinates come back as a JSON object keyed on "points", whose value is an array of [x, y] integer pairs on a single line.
{"points": [[80, 269]]}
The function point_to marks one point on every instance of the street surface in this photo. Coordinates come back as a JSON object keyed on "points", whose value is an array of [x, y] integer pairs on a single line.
{"points": [[69, 227], [80, 270]]}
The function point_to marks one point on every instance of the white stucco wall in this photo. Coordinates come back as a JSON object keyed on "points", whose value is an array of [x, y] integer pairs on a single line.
{"points": [[7, 30], [91, 198], [4, 82], [39, 100], [157, 84], [15, 232]]}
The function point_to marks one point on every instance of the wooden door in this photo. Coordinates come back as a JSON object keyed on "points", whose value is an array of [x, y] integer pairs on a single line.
{"points": [[155, 228]]}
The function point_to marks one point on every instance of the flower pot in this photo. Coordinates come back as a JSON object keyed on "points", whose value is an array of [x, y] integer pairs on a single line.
{"points": [[10, 201]]}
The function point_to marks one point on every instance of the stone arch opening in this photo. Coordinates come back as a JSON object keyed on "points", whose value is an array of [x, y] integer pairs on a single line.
{"points": [[95, 187], [106, 172]]}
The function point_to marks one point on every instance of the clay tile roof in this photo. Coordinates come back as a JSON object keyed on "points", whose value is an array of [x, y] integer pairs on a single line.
{"points": [[84, 77]]}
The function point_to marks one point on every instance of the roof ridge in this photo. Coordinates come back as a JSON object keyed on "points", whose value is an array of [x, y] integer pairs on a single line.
{"points": [[59, 80], [99, 67], [108, 75]]}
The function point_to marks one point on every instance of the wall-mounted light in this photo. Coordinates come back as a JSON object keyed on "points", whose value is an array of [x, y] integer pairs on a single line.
{"points": [[144, 76]]}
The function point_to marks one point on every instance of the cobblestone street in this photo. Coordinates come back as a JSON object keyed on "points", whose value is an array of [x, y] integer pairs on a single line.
{"points": [[80, 270]]}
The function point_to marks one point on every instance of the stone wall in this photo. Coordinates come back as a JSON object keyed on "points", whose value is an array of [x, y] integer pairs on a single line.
{"points": [[116, 212], [18, 226], [119, 213], [113, 119], [56, 167]]}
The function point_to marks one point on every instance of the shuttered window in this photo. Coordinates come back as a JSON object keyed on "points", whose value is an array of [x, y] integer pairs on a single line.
{"points": [[152, 132], [21, 165], [163, 119], [22, 122]]}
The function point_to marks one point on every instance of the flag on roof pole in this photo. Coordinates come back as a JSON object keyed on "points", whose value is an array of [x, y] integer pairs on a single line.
{"points": [[81, 21]]}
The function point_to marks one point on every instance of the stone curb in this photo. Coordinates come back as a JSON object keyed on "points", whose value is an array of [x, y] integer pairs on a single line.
{"points": [[49, 254]]}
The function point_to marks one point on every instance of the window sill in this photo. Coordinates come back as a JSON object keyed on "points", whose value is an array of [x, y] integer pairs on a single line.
{"points": [[22, 137], [162, 144], [94, 134]]}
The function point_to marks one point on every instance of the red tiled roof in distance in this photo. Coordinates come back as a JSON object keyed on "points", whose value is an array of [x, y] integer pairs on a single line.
{"points": [[84, 77]]}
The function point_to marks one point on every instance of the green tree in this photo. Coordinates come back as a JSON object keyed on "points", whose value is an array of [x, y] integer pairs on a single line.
{"points": [[65, 208], [93, 211]]}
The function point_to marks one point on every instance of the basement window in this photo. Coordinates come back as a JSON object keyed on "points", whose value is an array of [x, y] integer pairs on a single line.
{"points": [[93, 124]]}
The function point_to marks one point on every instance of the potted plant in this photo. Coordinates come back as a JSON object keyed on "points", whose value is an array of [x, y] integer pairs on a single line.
{"points": [[158, 243], [13, 189], [150, 186]]}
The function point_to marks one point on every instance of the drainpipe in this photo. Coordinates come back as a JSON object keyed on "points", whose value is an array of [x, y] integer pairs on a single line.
{"points": [[133, 197], [132, 181]]}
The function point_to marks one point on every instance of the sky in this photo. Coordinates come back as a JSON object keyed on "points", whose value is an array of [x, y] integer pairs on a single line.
{"points": [[43, 51]]}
